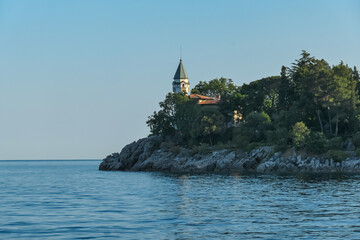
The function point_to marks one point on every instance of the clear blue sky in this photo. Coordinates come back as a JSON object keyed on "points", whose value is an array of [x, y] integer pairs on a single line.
{"points": [[78, 79]]}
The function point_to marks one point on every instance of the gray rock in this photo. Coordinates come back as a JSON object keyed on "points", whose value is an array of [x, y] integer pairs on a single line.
{"points": [[298, 159], [348, 145], [145, 155], [261, 168], [290, 167]]}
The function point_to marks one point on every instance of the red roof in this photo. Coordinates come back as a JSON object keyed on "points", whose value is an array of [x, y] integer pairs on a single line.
{"points": [[204, 100], [201, 97]]}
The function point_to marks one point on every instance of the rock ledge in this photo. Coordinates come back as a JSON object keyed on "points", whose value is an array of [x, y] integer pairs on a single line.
{"points": [[146, 155]]}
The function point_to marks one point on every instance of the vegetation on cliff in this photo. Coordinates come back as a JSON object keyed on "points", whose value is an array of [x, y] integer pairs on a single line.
{"points": [[310, 105]]}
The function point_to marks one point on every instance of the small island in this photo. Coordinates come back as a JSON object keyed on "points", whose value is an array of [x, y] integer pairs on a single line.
{"points": [[307, 119]]}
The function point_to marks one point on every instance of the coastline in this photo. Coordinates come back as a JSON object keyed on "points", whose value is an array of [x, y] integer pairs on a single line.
{"points": [[146, 154]]}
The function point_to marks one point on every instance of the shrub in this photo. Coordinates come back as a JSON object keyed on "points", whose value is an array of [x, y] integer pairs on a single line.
{"points": [[358, 152], [252, 131], [300, 133], [356, 139], [253, 145], [241, 136], [336, 155], [203, 148], [278, 137], [334, 143], [316, 143], [255, 119], [241, 142], [221, 146], [226, 136]]}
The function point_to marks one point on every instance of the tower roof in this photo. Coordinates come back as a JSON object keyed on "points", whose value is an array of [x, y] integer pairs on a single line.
{"points": [[180, 72]]}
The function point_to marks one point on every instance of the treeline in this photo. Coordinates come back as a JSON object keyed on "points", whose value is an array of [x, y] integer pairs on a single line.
{"points": [[310, 105]]}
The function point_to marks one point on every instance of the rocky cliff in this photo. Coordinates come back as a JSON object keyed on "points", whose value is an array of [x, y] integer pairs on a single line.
{"points": [[147, 155]]}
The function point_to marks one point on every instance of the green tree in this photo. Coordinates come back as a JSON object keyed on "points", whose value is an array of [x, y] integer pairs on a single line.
{"points": [[278, 137], [356, 77], [185, 116], [164, 121], [300, 133], [214, 88], [259, 124], [322, 75], [285, 90], [208, 124], [309, 78], [232, 102], [341, 91], [254, 129], [260, 95], [356, 116]]}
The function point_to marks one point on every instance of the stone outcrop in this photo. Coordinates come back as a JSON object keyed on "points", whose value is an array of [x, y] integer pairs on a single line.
{"points": [[147, 154]]}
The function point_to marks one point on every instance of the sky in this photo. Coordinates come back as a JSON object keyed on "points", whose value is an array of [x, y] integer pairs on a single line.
{"points": [[79, 78]]}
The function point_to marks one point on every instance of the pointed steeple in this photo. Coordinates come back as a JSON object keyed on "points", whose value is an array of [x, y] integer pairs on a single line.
{"points": [[180, 72], [181, 81]]}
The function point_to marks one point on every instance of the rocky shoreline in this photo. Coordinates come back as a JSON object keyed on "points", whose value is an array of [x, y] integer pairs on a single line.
{"points": [[146, 155]]}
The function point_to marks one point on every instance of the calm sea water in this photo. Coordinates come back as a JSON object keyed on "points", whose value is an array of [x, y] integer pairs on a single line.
{"points": [[73, 200]]}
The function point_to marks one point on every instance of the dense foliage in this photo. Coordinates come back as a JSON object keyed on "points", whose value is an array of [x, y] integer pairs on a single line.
{"points": [[307, 106]]}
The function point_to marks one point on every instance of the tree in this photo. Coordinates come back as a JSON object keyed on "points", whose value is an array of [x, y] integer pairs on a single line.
{"points": [[260, 95], [322, 75], [208, 124], [299, 134], [356, 116], [254, 129], [232, 102], [356, 77], [164, 122], [215, 88], [298, 73], [185, 116], [258, 123], [341, 92], [284, 90]]}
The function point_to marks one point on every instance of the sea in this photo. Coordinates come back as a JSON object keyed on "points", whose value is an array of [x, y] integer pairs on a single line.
{"points": [[74, 200]]}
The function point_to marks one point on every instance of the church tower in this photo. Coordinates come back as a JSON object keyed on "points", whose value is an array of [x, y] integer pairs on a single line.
{"points": [[181, 80]]}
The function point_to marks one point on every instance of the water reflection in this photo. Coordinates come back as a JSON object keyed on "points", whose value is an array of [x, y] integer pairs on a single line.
{"points": [[268, 205]]}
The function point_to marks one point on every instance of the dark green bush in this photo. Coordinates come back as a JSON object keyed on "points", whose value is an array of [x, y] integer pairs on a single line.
{"points": [[221, 146], [203, 148], [278, 137], [253, 145], [257, 124], [241, 136], [334, 143], [336, 155], [316, 143], [358, 152], [356, 140], [225, 137]]}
